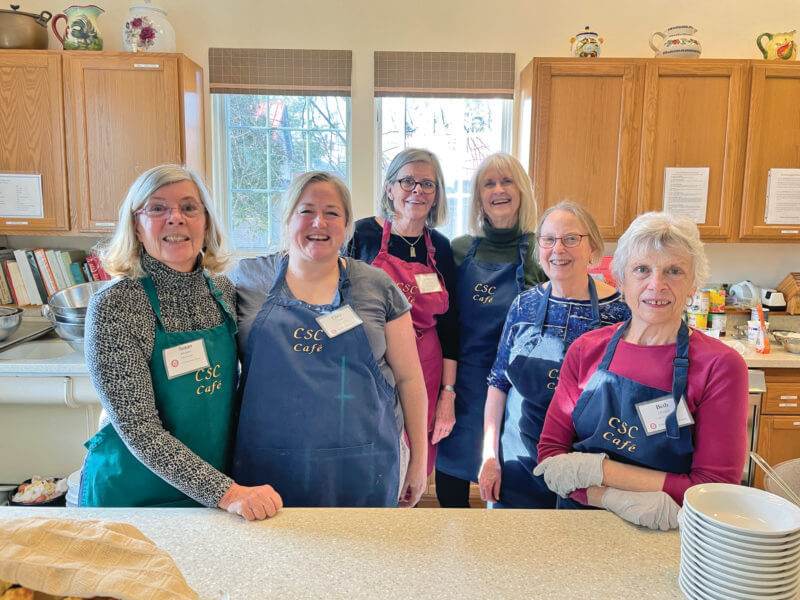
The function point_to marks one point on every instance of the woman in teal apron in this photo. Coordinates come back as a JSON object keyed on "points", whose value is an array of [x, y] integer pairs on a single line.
{"points": [[646, 409], [494, 266], [161, 352], [541, 325]]}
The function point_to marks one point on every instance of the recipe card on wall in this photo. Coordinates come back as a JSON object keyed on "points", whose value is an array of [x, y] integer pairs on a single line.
{"points": [[21, 195], [783, 197], [686, 192]]}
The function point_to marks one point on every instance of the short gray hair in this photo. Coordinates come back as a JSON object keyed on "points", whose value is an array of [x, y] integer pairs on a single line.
{"points": [[509, 166], [121, 254], [661, 231], [438, 213], [295, 191], [586, 219]]}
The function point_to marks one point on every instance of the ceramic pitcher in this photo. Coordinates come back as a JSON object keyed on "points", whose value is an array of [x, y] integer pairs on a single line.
{"points": [[585, 44], [81, 32], [676, 42], [779, 46]]}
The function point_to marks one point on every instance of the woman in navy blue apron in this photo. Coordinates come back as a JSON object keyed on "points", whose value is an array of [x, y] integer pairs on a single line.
{"points": [[494, 265], [161, 353], [540, 326], [645, 409], [317, 417]]}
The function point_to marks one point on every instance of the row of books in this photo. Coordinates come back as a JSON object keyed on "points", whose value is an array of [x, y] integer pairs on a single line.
{"points": [[32, 276]]}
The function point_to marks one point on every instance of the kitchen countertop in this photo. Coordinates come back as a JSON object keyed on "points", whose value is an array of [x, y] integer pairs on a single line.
{"points": [[400, 553]]}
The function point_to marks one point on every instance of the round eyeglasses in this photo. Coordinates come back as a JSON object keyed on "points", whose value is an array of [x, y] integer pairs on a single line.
{"points": [[190, 210], [570, 240], [409, 183]]}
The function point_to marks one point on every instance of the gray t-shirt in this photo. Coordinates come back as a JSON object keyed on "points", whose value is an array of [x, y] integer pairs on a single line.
{"points": [[376, 297]]}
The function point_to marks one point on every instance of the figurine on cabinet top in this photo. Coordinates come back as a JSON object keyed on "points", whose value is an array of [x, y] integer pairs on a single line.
{"points": [[585, 44]]}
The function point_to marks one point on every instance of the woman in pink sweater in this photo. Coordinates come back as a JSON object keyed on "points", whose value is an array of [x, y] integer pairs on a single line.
{"points": [[648, 408]]}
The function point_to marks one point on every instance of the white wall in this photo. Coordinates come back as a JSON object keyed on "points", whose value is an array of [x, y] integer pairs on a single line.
{"points": [[726, 29]]}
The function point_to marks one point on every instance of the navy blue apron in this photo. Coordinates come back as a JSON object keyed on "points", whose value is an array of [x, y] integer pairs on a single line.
{"points": [[534, 364], [484, 294], [317, 420], [606, 419]]}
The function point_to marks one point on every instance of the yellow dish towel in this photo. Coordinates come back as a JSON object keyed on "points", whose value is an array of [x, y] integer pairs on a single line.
{"points": [[68, 557]]}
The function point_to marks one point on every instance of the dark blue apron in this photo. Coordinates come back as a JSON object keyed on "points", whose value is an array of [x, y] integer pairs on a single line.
{"points": [[317, 420], [606, 419], [484, 294], [534, 364]]}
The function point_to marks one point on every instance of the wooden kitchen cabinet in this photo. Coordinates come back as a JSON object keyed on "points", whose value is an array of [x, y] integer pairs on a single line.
{"points": [[580, 134], [32, 135], [779, 423], [117, 114], [694, 115], [772, 142]]}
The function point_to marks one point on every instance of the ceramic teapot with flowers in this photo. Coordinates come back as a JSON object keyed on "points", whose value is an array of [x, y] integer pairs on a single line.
{"points": [[147, 30]]}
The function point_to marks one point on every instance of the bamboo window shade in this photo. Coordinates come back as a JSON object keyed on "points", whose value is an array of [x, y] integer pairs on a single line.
{"points": [[280, 72], [444, 74]]}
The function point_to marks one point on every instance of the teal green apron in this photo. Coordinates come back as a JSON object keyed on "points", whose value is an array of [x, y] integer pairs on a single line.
{"points": [[196, 408]]}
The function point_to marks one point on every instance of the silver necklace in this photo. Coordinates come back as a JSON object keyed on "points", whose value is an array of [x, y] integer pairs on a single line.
{"points": [[412, 252]]}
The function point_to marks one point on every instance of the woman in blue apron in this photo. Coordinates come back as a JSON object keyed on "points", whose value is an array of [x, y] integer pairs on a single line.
{"points": [[325, 343], [161, 353], [495, 265], [541, 325], [648, 408]]}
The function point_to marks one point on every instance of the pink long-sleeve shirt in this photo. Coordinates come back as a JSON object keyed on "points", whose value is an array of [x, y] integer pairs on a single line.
{"points": [[716, 396]]}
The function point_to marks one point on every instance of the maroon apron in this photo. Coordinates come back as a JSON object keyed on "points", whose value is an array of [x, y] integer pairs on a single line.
{"points": [[424, 308]]}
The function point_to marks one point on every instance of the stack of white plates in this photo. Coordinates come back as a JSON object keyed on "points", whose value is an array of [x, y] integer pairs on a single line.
{"points": [[738, 543]]}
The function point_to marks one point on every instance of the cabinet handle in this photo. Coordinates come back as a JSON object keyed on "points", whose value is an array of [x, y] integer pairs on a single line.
{"points": [[790, 231], [785, 404], [789, 397], [156, 66], [99, 224], [16, 223]]}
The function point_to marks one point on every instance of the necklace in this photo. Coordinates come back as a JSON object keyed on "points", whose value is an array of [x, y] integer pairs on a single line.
{"points": [[412, 252]]}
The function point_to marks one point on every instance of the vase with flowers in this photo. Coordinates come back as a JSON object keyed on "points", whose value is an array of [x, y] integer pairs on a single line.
{"points": [[147, 30]]}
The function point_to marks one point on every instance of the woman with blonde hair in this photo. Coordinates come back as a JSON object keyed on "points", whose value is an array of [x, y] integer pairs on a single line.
{"points": [[495, 263], [330, 370], [161, 354]]}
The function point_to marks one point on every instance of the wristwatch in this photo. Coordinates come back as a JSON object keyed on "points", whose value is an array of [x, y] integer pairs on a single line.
{"points": [[449, 388]]}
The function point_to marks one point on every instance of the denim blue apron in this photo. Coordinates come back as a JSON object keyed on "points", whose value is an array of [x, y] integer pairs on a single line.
{"points": [[317, 420], [484, 294], [534, 364], [196, 408], [606, 419]]}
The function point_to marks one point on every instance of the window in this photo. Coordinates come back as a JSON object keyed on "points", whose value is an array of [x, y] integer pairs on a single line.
{"points": [[460, 131], [264, 142]]}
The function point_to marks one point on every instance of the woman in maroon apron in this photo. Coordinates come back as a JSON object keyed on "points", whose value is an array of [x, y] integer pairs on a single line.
{"points": [[404, 244]]}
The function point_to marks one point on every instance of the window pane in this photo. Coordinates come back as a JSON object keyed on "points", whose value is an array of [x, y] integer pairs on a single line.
{"points": [[460, 131], [247, 111], [328, 112], [248, 158], [328, 152]]}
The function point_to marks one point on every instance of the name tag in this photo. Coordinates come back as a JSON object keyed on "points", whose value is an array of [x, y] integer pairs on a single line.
{"points": [[341, 320], [428, 283], [186, 358], [654, 413]]}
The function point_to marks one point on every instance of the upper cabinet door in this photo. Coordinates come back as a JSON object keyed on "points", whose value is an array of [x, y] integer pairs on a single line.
{"points": [[32, 134], [123, 117], [585, 129], [694, 116], [773, 141]]}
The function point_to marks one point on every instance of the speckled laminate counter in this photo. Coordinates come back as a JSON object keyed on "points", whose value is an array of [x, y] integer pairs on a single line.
{"points": [[397, 553]]}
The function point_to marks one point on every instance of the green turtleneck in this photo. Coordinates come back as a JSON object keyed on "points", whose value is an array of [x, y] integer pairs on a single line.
{"points": [[500, 245]]}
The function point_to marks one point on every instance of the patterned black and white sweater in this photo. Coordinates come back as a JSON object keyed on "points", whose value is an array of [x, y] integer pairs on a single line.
{"points": [[120, 329]]}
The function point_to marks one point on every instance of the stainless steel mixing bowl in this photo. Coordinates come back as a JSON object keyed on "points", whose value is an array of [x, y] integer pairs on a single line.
{"points": [[10, 318], [72, 301]]}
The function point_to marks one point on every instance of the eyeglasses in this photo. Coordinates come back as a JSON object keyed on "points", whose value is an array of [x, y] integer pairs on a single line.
{"points": [[570, 240], [409, 183], [189, 210]]}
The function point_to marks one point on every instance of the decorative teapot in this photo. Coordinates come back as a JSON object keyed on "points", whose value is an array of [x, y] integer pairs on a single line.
{"points": [[82, 32], [147, 30], [585, 44], [677, 42], [780, 46]]}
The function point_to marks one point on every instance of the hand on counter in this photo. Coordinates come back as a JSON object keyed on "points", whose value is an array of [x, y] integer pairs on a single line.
{"points": [[489, 480], [252, 503], [566, 473], [414, 485], [654, 510]]}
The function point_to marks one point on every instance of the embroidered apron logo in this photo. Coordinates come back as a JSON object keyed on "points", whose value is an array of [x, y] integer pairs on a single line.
{"points": [[311, 339], [552, 375], [621, 434], [409, 290], [485, 293], [209, 380]]}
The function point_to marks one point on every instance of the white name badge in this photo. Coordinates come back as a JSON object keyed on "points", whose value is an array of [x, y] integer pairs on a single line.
{"points": [[186, 358], [654, 413], [428, 283], [341, 320]]}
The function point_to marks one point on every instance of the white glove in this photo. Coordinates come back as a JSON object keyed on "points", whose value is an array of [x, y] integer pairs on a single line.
{"points": [[566, 473], [654, 510]]}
